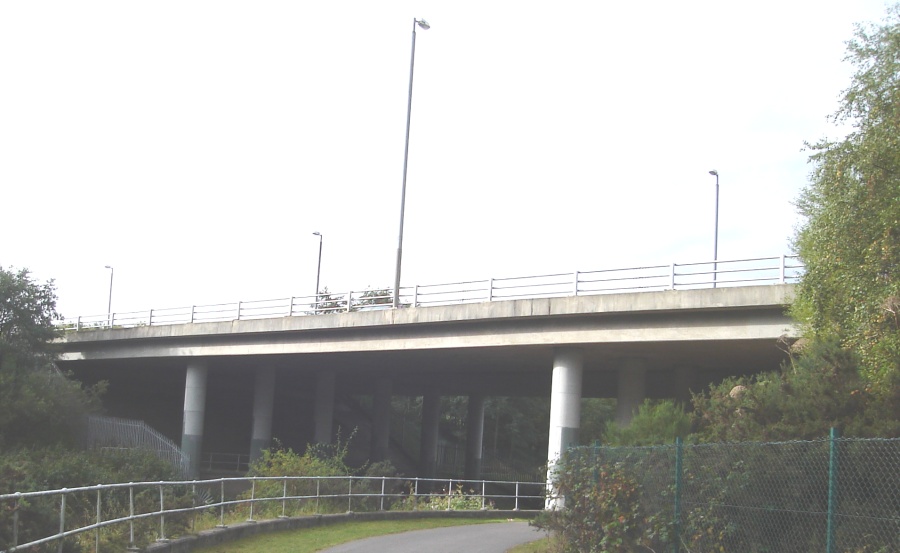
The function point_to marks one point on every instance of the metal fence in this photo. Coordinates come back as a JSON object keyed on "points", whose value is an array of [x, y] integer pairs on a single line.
{"points": [[830, 495], [115, 516], [674, 276], [117, 433]]}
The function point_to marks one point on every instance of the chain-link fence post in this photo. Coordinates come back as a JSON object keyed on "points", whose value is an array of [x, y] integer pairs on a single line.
{"points": [[832, 487], [679, 453]]}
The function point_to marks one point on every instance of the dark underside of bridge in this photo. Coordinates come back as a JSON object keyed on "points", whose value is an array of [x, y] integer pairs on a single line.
{"points": [[153, 389]]}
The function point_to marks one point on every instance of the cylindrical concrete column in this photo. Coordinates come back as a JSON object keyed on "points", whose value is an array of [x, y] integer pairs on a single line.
{"points": [[194, 412], [565, 411], [632, 389], [381, 419], [324, 407], [431, 417], [263, 404], [474, 437]]}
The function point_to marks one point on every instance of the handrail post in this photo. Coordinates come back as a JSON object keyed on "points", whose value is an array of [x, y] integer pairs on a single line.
{"points": [[15, 530], [252, 498], [222, 504], [162, 511], [131, 517], [97, 531], [449, 493], [833, 461], [62, 520], [516, 508]]}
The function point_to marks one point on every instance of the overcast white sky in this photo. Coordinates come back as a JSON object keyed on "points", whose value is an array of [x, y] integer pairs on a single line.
{"points": [[196, 145]]}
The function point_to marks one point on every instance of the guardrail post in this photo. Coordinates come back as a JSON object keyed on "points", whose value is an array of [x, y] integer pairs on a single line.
{"points": [[62, 520], [832, 487], [252, 498], [449, 493], [415, 302], [222, 504], [783, 268], [284, 497], [349, 300], [239, 310], [516, 508], [490, 289], [78, 323], [383, 478], [317, 495], [15, 530], [162, 513], [349, 495], [112, 320], [672, 276], [483, 491], [97, 532], [291, 307], [131, 546], [575, 283], [192, 313]]}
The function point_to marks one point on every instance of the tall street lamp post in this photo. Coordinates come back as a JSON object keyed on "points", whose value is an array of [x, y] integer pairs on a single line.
{"points": [[318, 268], [412, 60], [716, 231], [109, 303]]}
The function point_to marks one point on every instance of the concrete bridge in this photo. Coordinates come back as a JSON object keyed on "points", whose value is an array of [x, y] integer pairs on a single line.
{"points": [[232, 385]]}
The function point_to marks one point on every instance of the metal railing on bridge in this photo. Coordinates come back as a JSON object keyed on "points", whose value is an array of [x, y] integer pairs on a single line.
{"points": [[674, 276], [137, 513]]}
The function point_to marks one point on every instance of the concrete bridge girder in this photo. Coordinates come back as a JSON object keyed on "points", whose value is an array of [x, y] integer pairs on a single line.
{"points": [[628, 346]]}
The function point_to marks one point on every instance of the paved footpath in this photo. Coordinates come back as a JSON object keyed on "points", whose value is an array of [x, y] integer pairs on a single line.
{"points": [[472, 538]]}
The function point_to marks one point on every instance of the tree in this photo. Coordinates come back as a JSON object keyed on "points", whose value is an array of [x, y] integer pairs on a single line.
{"points": [[27, 312], [40, 405], [850, 242]]}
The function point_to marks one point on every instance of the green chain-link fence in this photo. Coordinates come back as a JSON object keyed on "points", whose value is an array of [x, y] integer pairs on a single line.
{"points": [[831, 495]]}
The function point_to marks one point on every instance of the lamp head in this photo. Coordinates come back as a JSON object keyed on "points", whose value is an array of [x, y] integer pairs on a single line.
{"points": [[714, 173], [423, 24], [317, 234], [107, 267]]}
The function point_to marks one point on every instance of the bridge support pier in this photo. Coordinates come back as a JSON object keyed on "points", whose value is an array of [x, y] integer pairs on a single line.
{"points": [[474, 436], [381, 419], [431, 417], [632, 389], [565, 412], [324, 407], [263, 402], [194, 412]]}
